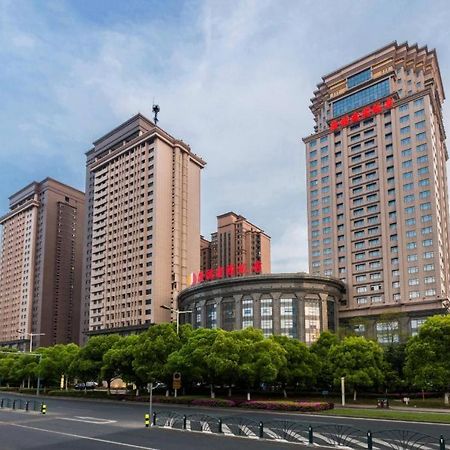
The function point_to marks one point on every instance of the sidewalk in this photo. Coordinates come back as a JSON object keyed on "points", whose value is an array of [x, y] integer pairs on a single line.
{"points": [[395, 408]]}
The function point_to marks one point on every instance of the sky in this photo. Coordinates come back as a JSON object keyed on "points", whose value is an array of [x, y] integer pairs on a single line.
{"points": [[233, 79]]}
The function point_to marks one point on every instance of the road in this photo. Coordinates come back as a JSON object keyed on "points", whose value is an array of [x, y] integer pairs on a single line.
{"points": [[97, 425]]}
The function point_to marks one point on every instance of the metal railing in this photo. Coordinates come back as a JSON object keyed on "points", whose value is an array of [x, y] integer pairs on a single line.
{"points": [[21, 404], [300, 432]]}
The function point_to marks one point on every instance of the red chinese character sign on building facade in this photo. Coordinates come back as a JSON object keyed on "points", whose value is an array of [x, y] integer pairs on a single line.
{"points": [[365, 113], [224, 272]]}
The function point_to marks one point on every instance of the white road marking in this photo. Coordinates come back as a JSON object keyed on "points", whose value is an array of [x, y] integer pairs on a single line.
{"points": [[78, 436], [96, 420]]}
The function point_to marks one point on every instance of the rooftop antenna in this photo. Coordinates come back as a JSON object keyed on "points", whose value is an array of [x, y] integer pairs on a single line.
{"points": [[155, 110]]}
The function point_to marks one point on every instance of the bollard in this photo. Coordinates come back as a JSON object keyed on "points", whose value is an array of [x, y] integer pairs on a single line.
{"points": [[147, 420], [441, 443], [310, 435], [261, 430], [154, 420], [184, 422], [369, 440], [43, 408], [27, 405], [219, 426]]}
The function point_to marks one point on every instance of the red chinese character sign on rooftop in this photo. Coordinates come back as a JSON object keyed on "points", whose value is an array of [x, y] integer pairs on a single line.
{"points": [[224, 272], [365, 113]]}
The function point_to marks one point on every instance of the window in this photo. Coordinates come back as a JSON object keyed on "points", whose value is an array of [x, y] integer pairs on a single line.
{"points": [[358, 78], [411, 245], [422, 159], [409, 210], [408, 198], [361, 98], [414, 294], [420, 125], [418, 102], [421, 147], [428, 255], [412, 258], [404, 119], [407, 175], [426, 218], [413, 269], [427, 230], [413, 281], [421, 136], [425, 206], [405, 130], [407, 152], [411, 234], [405, 141], [419, 113], [430, 292], [427, 242], [403, 107], [410, 222], [387, 332]]}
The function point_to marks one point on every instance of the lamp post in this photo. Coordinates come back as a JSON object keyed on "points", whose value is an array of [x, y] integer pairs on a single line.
{"points": [[31, 337], [31, 350], [177, 312]]}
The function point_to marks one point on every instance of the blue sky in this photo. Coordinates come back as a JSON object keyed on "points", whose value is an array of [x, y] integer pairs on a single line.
{"points": [[233, 79]]}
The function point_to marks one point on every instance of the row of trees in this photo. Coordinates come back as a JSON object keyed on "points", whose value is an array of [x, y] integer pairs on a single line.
{"points": [[243, 359]]}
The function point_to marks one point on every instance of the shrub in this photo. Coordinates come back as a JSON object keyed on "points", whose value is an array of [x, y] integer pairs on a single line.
{"points": [[287, 405]]}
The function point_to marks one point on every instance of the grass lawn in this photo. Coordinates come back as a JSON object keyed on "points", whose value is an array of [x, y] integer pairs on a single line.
{"points": [[390, 415]]}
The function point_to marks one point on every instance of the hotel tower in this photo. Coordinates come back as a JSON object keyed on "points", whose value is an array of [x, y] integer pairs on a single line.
{"points": [[377, 189], [40, 265], [142, 226]]}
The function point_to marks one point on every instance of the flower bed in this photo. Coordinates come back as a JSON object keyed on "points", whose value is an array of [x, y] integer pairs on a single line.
{"points": [[213, 402], [287, 405]]}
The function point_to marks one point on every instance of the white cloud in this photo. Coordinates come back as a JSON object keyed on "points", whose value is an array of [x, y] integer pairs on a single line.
{"points": [[233, 79]]}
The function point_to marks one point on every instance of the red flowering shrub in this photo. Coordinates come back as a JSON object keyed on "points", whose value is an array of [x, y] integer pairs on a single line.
{"points": [[287, 405]]}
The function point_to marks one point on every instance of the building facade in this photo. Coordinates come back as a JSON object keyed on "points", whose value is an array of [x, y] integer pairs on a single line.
{"points": [[40, 265], [297, 305], [236, 241], [377, 188], [143, 226]]}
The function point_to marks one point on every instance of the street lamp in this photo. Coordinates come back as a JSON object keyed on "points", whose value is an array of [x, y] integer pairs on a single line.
{"points": [[31, 337], [177, 312]]}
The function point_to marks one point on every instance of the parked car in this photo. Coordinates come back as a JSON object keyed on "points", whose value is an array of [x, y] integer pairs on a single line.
{"points": [[87, 385]]}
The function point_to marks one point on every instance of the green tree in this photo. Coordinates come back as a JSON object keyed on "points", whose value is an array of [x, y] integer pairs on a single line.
{"points": [[321, 349], [210, 356], [427, 356], [88, 365], [360, 361], [301, 365], [57, 362], [118, 360], [261, 359], [153, 349]]}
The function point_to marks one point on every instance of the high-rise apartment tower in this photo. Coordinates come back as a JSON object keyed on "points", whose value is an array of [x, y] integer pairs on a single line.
{"points": [[40, 265], [143, 226], [236, 241], [377, 189]]}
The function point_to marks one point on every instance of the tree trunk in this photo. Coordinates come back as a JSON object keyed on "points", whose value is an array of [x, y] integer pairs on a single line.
{"points": [[354, 395], [248, 396], [66, 380], [167, 392], [229, 392], [284, 392], [109, 386], [213, 395], [446, 395]]}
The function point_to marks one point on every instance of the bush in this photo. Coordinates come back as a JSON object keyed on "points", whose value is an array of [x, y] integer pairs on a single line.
{"points": [[81, 394], [287, 405], [212, 402]]}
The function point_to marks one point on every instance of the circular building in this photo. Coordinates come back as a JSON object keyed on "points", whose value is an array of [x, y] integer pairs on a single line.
{"points": [[297, 305]]}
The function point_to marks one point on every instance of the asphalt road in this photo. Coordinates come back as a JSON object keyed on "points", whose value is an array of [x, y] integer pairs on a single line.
{"points": [[89, 424]]}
